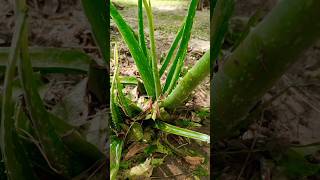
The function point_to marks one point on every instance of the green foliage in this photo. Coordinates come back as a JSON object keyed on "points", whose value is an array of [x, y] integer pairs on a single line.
{"points": [[140, 59], [115, 109], [157, 161], [200, 171], [14, 157], [168, 128], [96, 12], [135, 132], [234, 81], [203, 113], [177, 65], [147, 62], [162, 148], [154, 58], [35, 142], [142, 40], [116, 146], [171, 50], [125, 164], [185, 123], [295, 165], [53, 60], [150, 149], [219, 21]]}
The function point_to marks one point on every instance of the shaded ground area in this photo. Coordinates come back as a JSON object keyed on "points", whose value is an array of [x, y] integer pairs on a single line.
{"points": [[289, 117], [168, 16]]}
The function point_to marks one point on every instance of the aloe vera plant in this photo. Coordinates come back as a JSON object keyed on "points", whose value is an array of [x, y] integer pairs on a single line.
{"points": [[15, 161], [53, 60], [259, 61], [35, 143], [162, 97]]}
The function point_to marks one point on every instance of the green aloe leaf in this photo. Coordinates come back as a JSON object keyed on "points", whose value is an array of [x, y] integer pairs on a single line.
{"points": [[222, 13], [14, 156], [88, 152], [295, 165], [173, 47], [56, 152], [97, 14], [115, 109], [176, 67], [128, 80], [253, 21], [141, 29], [135, 132], [219, 21], [53, 59], [168, 128], [153, 49], [188, 83], [116, 146], [128, 107], [135, 50]]}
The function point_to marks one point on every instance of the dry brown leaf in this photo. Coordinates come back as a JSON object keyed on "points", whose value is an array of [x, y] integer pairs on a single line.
{"points": [[177, 172], [194, 160], [135, 149]]}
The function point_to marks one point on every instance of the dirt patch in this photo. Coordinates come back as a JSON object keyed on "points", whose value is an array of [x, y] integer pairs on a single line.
{"points": [[296, 113]]}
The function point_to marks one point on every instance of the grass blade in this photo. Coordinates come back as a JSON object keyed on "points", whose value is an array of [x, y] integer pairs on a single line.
{"points": [[53, 60], [15, 159], [97, 14], [153, 49], [135, 50], [175, 69], [168, 128]]}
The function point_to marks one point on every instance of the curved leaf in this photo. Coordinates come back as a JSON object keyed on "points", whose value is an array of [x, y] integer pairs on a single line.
{"points": [[53, 59], [135, 50], [97, 14]]}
